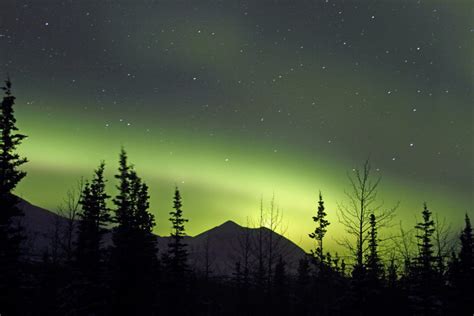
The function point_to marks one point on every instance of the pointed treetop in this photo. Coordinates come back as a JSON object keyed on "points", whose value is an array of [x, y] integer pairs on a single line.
{"points": [[8, 86]]}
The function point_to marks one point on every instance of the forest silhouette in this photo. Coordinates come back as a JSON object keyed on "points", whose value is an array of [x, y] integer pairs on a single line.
{"points": [[82, 274]]}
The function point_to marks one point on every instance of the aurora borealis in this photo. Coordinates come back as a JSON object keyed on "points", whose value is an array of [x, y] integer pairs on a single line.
{"points": [[238, 100]]}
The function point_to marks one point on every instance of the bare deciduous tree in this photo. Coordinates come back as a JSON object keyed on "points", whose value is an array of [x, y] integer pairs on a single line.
{"points": [[404, 243], [244, 251], [442, 241], [355, 217], [268, 246], [274, 223], [67, 228]]}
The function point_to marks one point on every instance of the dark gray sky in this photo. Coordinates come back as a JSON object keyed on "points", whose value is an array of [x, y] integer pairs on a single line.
{"points": [[233, 86]]}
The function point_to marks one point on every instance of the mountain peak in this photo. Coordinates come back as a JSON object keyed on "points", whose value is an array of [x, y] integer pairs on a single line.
{"points": [[230, 223], [223, 242], [228, 227]]}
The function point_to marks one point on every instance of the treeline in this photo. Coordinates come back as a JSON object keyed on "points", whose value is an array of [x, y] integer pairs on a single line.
{"points": [[131, 276]]}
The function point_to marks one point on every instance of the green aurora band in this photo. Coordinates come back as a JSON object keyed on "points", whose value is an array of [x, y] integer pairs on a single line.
{"points": [[236, 102], [215, 188]]}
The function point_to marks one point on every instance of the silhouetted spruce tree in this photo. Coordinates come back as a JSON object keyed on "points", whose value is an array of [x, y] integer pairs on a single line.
{"points": [[461, 272], [10, 230], [425, 285], [323, 282], [319, 232], [425, 230], [177, 253], [176, 260], [467, 246], [373, 262], [374, 270], [94, 217], [134, 260]]}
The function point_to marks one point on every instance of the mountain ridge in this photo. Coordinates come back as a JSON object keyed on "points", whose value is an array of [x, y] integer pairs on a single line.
{"points": [[223, 243]]}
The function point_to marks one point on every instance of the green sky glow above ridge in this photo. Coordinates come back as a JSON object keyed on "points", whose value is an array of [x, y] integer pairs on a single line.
{"points": [[237, 101]]}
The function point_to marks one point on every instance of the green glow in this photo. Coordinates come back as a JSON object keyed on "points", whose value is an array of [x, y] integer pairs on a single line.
{"points": [[214, 189], [236, 104]]}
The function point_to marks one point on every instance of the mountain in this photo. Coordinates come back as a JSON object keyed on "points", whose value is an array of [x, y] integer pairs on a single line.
{"points": [[218, 248], [39, 227], [225, 245]]}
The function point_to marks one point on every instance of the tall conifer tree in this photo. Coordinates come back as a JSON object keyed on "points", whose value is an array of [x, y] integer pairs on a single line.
{"points": [[425, 230], [94, 217], [464, 280], [320, 231], [176, 262], [177, 252], [425, 285], [134, 261], [10, 176], [466, 255], [373, 262]]}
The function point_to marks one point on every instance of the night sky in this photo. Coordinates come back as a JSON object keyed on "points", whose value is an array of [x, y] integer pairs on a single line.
{"points": [[238, 100]]}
